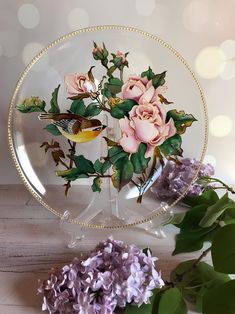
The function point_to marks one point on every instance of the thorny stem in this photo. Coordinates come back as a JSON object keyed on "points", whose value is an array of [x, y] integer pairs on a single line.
{"points": [[102, 106], [121, 75], [64, 164], [73, 151]]}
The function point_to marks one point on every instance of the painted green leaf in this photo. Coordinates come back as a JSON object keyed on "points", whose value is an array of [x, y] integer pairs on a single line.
{"points": [[51, 128], [192, 237], [181, 120], [223, 250], [122, 109], [172, 146], [149, 74], [109, 142], [84, 165], [101, 167], [71, 174], [115, 153], [92, 110], [159, 79], [208, 197], [220, 300], [96, 186], [194, 282], [33, 104], [122, 172], [172, 302], [216, 210], [114, 85], [54, 101], [78, 107], [140, 163]]}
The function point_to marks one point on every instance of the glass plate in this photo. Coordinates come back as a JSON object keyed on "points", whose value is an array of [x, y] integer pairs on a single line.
{"points": [[124, 197]]}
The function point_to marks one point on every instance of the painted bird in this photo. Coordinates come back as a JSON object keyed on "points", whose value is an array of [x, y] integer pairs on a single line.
{"points": [[75, 127]]}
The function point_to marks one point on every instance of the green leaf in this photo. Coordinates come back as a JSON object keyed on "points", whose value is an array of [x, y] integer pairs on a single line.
{"points": [[54, 101], [172, 146], [121, 109], [78, 107], [149, 74], [122, 172], [208, 197], [140, 163], [172, 302], [92, 110], [101, 167], [192, 236], [159, 79], [177, 218], [115, 153], [220, 300], [51, 128], [71, 174], [216, 210], [181, 120], [96, 185], [84, 165], [114, 85], [33, 104], [223, 250], [194, 282]]}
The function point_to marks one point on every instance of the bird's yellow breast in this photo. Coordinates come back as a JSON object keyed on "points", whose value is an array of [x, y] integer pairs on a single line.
{"points": [[80, 137]]}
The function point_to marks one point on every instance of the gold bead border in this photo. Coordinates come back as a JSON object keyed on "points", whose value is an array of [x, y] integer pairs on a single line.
{"points": [[155, 213]]}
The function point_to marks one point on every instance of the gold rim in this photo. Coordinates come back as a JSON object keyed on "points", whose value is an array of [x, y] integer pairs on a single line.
{"points": [[26, 182]]}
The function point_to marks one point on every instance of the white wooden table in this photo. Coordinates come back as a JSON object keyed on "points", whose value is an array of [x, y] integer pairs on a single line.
{"points": [[31, 242]]}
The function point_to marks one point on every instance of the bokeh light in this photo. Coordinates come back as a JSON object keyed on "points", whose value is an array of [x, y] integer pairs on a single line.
{"points": [[221, 125], [210, 62], [78, 18], [28, 15], [195, 16], [228, 48], [145, 8], [229, 70]]}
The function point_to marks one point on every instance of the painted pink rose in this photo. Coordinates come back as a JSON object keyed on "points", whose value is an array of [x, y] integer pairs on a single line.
{"points": [[147, 125], [78, 84], [142, 90]]}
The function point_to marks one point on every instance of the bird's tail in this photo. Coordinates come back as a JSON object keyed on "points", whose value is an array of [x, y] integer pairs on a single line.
{"points": [[44, 116]]}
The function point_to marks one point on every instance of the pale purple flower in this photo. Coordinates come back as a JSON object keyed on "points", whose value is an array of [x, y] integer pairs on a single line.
{"points": [[175, 178], [113, 275]]}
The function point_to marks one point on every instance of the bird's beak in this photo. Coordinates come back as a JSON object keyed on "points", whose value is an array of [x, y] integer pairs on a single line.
{"points": [[104, 127]]}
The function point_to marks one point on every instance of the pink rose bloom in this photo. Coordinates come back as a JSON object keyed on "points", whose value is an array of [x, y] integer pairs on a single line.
{"points": [[122, 55], [78, 84], [141, 90], [147, 125]]}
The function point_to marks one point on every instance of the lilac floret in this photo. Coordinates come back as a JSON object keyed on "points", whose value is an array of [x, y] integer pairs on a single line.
{"points": [[113, 275], [175, 178]]}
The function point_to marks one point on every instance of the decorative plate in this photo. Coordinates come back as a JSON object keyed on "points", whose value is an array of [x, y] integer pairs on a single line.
{"points": [[96, 117]]}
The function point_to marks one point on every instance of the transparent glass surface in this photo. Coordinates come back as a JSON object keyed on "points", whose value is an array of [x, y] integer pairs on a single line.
{"points": [[73, 54]]}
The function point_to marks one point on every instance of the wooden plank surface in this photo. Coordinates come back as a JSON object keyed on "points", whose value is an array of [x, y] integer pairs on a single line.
{"points": [[31, 242]]}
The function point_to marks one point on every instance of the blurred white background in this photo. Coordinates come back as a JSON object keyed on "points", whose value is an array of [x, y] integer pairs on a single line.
{"points": [[202, 31]]}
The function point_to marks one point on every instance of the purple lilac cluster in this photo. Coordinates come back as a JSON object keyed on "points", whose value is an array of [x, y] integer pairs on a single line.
{"points": [[113, 275], [176, 177]]}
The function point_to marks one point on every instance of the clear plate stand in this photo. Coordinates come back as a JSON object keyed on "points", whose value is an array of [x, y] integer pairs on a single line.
{"points": [[105, 210]]}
